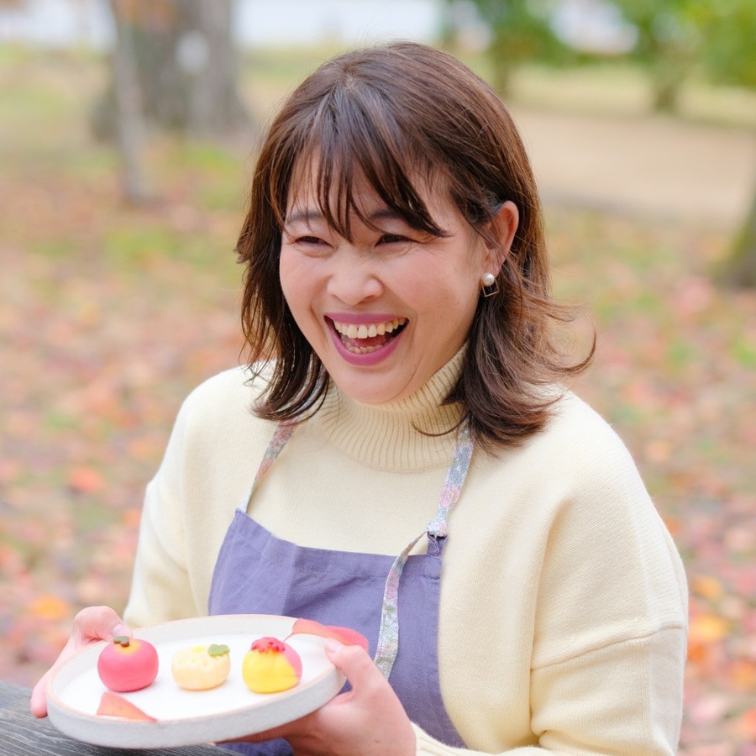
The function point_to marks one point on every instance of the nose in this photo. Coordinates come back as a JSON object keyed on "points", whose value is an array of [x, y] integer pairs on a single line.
{"points": [[353, 278]]}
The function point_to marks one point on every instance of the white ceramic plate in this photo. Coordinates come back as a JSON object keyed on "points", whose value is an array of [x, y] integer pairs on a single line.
{"points": [[192, 717]]}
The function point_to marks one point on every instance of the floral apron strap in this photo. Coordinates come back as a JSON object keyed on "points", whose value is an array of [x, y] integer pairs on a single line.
{"points": [[280, 438], [388, 636]]}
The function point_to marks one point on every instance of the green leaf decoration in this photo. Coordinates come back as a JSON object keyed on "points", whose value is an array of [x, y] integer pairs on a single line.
{"points": [[218, 649], [122, 640]]}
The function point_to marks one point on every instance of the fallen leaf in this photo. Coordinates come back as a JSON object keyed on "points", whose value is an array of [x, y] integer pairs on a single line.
{"points": [[708, 587], [745, 725], [48, 607], [707, 628], [86, 480]]}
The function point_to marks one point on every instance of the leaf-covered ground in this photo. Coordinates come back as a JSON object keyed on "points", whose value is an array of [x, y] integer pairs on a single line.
{"points": [[110, 315]]}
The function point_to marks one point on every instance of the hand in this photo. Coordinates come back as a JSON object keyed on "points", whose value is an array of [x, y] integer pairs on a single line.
{"points": [[368, 720], [90, 625]]}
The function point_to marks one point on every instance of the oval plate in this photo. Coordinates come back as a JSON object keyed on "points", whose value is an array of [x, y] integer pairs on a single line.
{"points": [[192, 717]]}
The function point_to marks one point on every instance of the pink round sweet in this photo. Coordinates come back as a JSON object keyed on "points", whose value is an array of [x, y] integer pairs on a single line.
{"points": [[127, 664]]}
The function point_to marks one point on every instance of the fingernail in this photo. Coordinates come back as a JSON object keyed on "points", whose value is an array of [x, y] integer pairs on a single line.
{"points": [[120, 629], [332, 645]]}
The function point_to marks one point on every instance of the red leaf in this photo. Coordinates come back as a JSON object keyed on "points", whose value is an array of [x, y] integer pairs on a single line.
{"points": [[85, 480]]}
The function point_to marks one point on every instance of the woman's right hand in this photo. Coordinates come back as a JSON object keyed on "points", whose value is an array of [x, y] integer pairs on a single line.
{"points": [[90, 625]]}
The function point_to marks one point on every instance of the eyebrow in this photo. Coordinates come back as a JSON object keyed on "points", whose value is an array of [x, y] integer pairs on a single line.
{"points": [[308, 215]]}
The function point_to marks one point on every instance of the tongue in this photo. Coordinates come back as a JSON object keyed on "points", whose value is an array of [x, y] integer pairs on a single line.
{"points": [[371, 341]]}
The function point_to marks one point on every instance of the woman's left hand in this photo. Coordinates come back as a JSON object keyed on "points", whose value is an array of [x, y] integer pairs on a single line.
{"points": [[368, 720]]}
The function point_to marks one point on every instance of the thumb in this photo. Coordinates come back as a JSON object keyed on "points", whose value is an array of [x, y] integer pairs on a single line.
{"points": [[355, 664], [98, 623], [91, 624]]}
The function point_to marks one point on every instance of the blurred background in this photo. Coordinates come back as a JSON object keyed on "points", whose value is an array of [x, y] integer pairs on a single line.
{"points": [[128, 132]]}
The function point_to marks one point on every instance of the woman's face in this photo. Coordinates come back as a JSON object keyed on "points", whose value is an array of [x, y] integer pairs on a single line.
{"points": [[385, 311]]}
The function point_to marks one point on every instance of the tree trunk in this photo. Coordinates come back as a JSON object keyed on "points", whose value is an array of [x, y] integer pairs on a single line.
{"points": [[503, 70], [740, 268], [666, 83], [128, 110], [186, 67]]}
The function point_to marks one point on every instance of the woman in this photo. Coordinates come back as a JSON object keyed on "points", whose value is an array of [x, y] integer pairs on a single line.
{"points": [[423, 477]]}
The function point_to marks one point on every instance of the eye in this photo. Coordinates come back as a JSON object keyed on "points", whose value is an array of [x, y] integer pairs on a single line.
{"points": [[308, 244], [393, 239]]}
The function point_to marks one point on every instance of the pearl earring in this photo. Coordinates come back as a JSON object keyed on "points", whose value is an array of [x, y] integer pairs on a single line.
{"points": [[489, 287]]}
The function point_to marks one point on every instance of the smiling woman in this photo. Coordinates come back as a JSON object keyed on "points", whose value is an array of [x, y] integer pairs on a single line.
{"points": [[427, 160], [386, 308], [424, 477]]}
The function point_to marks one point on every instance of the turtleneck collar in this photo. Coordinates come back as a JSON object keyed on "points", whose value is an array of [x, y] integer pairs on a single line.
{"points": [[386, 436]]}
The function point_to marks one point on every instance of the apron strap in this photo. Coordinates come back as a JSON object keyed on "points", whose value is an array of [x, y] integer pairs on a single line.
{"points": [[437, 528], [388, 635], [277, 442], [455, 479]]}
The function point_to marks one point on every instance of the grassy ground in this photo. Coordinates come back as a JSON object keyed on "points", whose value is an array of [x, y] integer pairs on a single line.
{"points": [[109, 315]]}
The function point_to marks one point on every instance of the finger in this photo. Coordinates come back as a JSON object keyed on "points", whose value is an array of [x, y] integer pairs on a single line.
{"points": [[98, 623], [38, 701], [91, 624], [356, 665]]}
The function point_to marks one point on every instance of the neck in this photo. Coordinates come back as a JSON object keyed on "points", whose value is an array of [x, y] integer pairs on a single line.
{"points": [[415, 433]]}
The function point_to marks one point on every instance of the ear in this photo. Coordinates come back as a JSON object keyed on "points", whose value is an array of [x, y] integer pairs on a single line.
{"points": [[504, 227]]}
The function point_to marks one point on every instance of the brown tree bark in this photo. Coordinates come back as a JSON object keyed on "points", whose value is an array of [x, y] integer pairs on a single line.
{"points": [[740, 269], [185, 65], [128, 114]]}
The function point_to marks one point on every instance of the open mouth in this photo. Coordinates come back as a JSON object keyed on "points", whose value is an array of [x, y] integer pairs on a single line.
{"points": [[365, 339]]}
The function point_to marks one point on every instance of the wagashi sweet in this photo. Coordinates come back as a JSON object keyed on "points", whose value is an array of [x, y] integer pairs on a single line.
{"points": [[201, 667], [344, 635], [270, 666], [127, 664], [113, 705]]}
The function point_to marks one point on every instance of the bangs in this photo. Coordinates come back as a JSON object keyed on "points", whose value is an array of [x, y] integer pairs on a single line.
{"points": [[352, 141]]}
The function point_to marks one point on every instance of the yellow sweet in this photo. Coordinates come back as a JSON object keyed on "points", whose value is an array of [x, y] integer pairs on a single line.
{"points": [[271, 666], [201, 667]]}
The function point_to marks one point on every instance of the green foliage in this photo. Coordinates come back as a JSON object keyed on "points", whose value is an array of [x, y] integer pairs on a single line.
{"points": [[727, 39], [674, 38], [521, 32], [662, 24], [666, 45], [718, 35]]}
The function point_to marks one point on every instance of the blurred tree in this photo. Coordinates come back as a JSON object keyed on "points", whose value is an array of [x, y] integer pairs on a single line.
{"points": [[740, 268], [184, 64], [129, 123], [728, 49], [727, 31], [521, 32], [667, 44]]}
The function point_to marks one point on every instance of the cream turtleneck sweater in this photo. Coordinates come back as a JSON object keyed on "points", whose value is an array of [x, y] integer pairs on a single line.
{"points": [[563, 600]]}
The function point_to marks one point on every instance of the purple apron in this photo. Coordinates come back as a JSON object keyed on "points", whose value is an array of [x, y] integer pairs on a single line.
{"points": [[257, 573]]}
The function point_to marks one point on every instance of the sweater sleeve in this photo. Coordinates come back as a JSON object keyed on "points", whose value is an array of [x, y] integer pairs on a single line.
{"points": [[610, 619], [619, 700], [160, 589]]}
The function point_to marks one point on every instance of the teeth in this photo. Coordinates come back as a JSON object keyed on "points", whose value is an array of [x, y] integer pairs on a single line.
{"points": [[352, 331]]}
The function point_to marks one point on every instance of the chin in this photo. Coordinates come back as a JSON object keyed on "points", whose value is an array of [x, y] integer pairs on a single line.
{"points": [[367, 392]]}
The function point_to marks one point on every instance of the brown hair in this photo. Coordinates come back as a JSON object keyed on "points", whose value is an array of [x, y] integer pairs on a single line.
{"points": [[387, 114]]}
